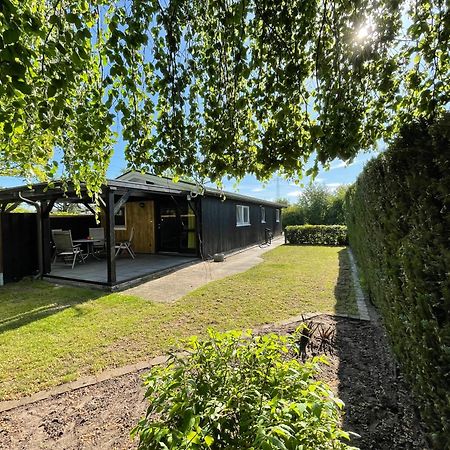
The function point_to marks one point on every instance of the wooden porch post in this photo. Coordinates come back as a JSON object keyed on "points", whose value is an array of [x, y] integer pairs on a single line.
{"points": [[110, 237], [1, 247], [46, 207]]}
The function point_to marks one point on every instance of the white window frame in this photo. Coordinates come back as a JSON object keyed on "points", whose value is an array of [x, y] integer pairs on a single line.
{"points": [[263, 214], [242, 216], [277, 215]]}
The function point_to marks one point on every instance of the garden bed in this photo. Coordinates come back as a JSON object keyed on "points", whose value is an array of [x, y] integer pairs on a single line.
{"points": [[361, 372]]}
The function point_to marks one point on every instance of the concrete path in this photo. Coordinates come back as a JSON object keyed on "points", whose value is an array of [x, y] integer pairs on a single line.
{"points": [[177, 284]]}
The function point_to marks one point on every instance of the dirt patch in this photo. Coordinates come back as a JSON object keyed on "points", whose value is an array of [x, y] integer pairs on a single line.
{"points": [[99, 416], [362, 372]]}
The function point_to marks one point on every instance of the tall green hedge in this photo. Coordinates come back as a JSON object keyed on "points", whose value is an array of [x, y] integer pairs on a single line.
{"points": [[316, 234], [399, 229]]}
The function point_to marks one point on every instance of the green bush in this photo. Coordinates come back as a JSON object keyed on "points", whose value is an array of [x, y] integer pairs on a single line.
{"points": [[239, 391], [316, 235], [399, 229]]}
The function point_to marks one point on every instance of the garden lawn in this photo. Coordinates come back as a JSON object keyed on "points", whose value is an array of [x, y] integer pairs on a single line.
{"points": [[54, 334]]}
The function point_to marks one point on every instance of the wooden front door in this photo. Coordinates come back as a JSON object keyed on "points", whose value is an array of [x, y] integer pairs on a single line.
{"points": [[141, 216]]}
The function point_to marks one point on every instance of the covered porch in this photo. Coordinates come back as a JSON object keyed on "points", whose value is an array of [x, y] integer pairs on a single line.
{"points": [[161, 222], [128, 271]]}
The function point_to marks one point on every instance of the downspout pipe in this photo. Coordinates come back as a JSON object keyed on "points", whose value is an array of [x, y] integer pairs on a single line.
{"points": [[39, 233]]}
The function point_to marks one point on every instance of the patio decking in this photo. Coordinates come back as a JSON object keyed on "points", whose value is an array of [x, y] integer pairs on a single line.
{"points": [[127, 269]]}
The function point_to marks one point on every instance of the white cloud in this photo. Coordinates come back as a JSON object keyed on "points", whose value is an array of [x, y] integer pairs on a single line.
{"points": [[294, 193], [333, 186], [340, 165], [343, 164], [258, 189]]}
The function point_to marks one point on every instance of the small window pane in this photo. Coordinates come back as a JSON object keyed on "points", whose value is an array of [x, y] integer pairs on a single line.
{"points": [[263, 214], [242, 215], [239, 218], [120, 219]]}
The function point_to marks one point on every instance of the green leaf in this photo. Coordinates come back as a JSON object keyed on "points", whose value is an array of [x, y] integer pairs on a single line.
{"points": [[51, 91], [193, 437], [11, 35], [22, 86], [7, 128]]}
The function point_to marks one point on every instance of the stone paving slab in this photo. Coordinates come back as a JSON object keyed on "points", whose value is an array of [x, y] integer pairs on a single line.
{"points": [[176, 285], [360, 297]]}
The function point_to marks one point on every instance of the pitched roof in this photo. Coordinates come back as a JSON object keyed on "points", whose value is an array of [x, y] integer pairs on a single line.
{"points": [[166, 182]]}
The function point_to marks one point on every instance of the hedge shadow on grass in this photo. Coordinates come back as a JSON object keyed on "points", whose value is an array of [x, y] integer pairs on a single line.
{"points": [[25, 302]]}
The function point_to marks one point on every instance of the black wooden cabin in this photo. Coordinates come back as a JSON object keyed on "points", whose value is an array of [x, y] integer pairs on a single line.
{"points": [[179, 220]]}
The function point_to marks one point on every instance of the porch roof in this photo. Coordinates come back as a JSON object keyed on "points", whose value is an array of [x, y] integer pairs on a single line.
{"points": [[57, 190]]}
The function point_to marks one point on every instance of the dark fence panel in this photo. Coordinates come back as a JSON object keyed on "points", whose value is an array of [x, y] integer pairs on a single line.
{"points": [[78, 225], [19, 239]]}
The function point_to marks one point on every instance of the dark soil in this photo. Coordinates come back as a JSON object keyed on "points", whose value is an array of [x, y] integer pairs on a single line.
{"points": [[362, 372]]}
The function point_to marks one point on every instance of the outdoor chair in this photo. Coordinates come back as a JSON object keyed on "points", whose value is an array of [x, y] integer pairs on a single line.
{"points": [[65, 247], [98, 233], [126, 245]]}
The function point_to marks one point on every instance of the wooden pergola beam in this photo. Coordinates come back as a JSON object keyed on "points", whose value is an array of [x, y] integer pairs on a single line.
{"points": [[122, 200], [47, 206], [89, 207], [9, 207]]}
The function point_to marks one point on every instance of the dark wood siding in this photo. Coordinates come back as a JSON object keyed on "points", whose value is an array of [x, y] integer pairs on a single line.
{"points": [[219, 230], [19, 242], [19, 239]]}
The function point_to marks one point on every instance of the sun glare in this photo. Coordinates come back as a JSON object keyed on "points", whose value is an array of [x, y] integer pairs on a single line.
{"points": [[362, 33], [365, 31]]}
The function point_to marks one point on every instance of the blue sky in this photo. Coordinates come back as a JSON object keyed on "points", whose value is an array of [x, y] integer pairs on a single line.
{"points": [[338, 174]]}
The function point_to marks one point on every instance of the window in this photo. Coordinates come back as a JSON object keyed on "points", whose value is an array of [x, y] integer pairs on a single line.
{"points": [[242, 215], [120, 222], [277, 215], [263, 214]]}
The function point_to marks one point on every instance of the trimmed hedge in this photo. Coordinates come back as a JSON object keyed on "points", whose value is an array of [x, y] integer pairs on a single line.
{"points": [[398, 217], [316, 235]]}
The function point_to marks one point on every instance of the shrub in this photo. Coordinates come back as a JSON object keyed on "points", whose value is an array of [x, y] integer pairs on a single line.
{"points": [[399, 228], [237, 391], [316, 235]]}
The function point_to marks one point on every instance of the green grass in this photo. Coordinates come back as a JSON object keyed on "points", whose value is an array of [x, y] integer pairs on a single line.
{"points": [[53, 334]]}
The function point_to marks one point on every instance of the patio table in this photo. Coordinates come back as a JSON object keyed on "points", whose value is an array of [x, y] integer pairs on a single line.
{"points": [[89, 245]]}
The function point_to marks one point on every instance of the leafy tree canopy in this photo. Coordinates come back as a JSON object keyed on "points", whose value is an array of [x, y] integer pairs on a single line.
{"points": [[317, 205], [213, 87]]}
